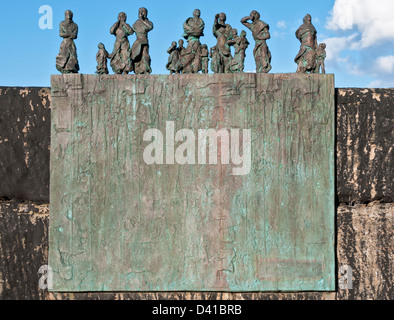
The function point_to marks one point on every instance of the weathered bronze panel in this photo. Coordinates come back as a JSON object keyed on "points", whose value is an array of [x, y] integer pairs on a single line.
{"points": [[120, 224]]}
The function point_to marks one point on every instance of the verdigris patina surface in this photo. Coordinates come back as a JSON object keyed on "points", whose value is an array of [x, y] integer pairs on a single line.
{"points": [[126, 218]]}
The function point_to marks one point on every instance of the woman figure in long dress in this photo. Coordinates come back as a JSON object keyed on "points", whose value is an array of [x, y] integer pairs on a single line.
{"points": [[120, 57], [240, 44], [140, 50], [306, 57], [193, 29], [101, 59], [223, 32]]}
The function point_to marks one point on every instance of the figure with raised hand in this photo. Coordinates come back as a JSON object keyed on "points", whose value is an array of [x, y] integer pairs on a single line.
{"points": [[120, 57], [260, 32], [140, 50]]}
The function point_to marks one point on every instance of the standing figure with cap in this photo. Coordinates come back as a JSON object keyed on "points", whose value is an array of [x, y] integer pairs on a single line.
{"points": [[67, 59]]}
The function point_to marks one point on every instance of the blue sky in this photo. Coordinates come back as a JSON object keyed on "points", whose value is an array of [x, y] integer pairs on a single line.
{"points": [[359, 35]]}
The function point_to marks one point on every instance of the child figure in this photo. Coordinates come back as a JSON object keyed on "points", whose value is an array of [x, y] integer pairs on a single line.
{"points": [[173, 59], [181, 53], [321, 56], [204, 58], [215, 60], [101, 58]]}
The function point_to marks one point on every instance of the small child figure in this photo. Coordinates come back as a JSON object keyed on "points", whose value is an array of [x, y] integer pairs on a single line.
{"points": [[101, 58], [181, 51], [181, 48], [215, 60], [173, 59], [321, 56], [204, 58]]}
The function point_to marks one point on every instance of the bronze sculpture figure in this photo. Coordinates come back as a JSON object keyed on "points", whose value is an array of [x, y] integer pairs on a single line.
{"points": [[215, 60], [195, 57], [140, 57], [240, 44], [193, 28], [204, 58], [101, 59], [181, 50], [260, 32], [321, 56], [223, 33], [306, 57], [120, 57], [67, 59], [173, 59]]}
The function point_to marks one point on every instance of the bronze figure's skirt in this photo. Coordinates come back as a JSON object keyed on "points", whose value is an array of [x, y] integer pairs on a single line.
{"points": [[67, 59]]}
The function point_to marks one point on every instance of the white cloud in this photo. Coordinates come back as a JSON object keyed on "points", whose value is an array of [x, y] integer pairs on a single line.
{"points": [[386, 83], [281, 24], [277, 34], [372, 18], [361, 42], [336, 45], [385, 64]]}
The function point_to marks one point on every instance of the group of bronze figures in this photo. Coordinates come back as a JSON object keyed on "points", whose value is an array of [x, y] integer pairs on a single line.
{"points": [[195, 57]]}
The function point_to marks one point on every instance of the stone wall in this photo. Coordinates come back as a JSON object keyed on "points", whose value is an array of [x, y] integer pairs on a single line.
{"points": [[25, 124], [365, 155], [365, 130]]}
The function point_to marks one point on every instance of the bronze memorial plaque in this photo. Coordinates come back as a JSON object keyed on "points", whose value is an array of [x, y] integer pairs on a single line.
{"points": [[199, 182]]}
